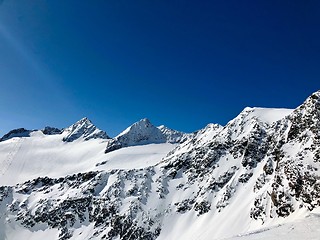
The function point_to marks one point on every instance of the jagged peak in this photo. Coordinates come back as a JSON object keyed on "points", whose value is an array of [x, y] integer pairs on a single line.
{"points": [[82, 122], [85, 129]]}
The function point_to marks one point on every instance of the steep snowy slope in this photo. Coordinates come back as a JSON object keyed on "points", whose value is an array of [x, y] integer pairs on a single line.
{"points": [[252, 178]]}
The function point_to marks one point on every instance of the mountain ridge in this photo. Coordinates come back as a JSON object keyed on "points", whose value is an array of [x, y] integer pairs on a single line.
{"points": [[144, 132], [260, 170]]}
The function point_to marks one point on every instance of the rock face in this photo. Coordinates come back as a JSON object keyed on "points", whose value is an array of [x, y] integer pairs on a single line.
{"points": [[143, 132], [51, 131], [83, 129], [19, 132], [262, 167]]}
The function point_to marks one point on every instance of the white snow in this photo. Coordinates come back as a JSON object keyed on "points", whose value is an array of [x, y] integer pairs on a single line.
{"points": [[267, 115], [307, 228], [26, 158]]}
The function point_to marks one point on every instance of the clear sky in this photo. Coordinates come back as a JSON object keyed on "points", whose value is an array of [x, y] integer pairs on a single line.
{"points": [[179, 63]]}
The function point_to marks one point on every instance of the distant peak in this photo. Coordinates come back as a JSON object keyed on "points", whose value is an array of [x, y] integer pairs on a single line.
{"points": [[144, 121], [144, 132], [19, 132], [84, 120], [85, 129], [139, 126]]}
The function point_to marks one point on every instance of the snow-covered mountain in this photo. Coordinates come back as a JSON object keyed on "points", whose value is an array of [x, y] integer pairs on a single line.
{"points": [[27, 154], [142, 133], [258, 177], [83, 129]]}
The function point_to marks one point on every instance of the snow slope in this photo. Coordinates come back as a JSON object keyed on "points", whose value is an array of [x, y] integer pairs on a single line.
{"points": [[38, 154], [258, 177], [306, 228]]}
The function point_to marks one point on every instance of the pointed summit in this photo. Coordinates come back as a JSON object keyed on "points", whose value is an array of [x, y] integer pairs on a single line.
{"points": [[139, 133], [85, 129], [143, 126], [144, 132]]}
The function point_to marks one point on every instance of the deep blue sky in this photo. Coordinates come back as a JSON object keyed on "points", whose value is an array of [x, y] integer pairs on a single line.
{"points": [[179, 63]]}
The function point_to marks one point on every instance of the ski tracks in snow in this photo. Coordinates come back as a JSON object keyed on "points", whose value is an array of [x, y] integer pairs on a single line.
{"points": [[6, 163]]}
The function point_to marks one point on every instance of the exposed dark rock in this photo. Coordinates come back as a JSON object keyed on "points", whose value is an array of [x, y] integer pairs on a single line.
{"points": [[19, 132], [51, 131]]}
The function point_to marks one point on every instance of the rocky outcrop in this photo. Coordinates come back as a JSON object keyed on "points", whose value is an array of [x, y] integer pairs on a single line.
{"points": [[51, 131], [19, 132]]}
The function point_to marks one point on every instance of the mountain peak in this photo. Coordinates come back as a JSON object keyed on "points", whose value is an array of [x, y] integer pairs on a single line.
{"points": [[144, 120], [144, 132], [84, 129], [249, 175], [142, 126], [83, 120]]}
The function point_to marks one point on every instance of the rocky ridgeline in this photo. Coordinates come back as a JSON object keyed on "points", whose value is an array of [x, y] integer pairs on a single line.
{"points": [[278, 162]]}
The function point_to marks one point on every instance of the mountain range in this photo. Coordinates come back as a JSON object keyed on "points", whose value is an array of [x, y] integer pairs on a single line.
{"points": [[257, 177]]}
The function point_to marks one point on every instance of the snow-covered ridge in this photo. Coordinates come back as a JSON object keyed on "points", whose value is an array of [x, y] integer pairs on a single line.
{"points": [[53, 152], [267, 115], [83, 129], [255, 177], [19, 132], [144, 132]]}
